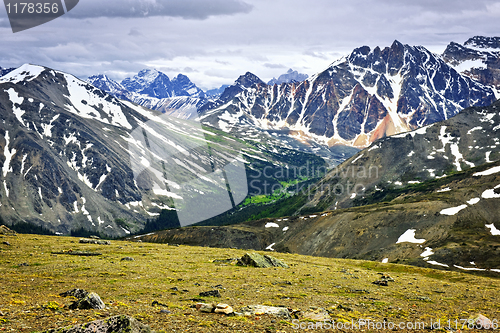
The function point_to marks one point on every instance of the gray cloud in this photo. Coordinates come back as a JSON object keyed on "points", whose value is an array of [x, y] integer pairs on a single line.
{"points": [[274, 66], [187, 9], [215, 41]]}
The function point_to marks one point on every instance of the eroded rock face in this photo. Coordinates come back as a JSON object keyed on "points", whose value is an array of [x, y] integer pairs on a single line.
{"points": [[117, 324]]}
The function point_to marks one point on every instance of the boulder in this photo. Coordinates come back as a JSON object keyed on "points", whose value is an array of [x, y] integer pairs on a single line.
{"points": [[482, 321], [204, 307], [256, 310], [91, 301], [275, 262], [316, 315], [223, 308], [117, 324], [257, 260]]}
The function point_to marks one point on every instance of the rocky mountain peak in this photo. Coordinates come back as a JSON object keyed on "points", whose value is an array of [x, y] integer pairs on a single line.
{"points": [[248, 80], [148, 75], [483, 42], [26, 72], [290, 76], [149, 82], [478, 58]]}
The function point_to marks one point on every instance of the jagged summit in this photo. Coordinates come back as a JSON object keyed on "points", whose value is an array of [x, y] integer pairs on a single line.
{"points": [[154, 90], [149, 82], [290, 76], [248, 79], [478, 58], [103, 82]]}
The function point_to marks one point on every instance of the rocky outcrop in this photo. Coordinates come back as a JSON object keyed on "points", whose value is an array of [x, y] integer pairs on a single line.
{"points": [[94, 241]]}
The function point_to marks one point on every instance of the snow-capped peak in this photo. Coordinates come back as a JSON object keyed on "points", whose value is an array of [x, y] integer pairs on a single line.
{"points": [[26, 72]]}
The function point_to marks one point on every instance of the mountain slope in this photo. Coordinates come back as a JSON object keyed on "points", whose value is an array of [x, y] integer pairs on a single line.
{"points": [[358, 99], [75, 157], [467, 140]]}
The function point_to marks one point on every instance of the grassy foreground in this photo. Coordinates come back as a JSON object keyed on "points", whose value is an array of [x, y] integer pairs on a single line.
{"points": [[31, 278]]}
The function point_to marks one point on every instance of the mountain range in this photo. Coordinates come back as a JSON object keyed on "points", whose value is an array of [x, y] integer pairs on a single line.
{"points": [[74, 156], [87, 155], [360, 98]]}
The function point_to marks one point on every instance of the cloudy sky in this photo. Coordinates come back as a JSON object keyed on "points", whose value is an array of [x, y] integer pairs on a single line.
{"points": [[215, 41]]}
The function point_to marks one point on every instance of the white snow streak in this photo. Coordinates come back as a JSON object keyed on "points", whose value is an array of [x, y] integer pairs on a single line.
{"points": [[409, 237], [453, 210]]}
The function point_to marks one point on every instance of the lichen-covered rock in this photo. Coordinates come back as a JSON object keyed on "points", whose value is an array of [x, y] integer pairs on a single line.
{"points": [[117, 324], [210, 293], [204, 307], [91, 301], [258, 260], [257, 310], [275, 262]]}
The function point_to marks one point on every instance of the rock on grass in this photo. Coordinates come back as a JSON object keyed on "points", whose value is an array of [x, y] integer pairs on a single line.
{"points": [[91, 301], [257, 260], [117, 324]]}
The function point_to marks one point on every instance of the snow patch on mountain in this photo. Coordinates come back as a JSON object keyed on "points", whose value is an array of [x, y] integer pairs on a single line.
{"points": [[26, 72]]}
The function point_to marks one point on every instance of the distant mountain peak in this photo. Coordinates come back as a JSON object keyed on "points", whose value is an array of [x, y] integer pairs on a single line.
{"points": [[477, 58], [290, 76], [248, 79]]}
